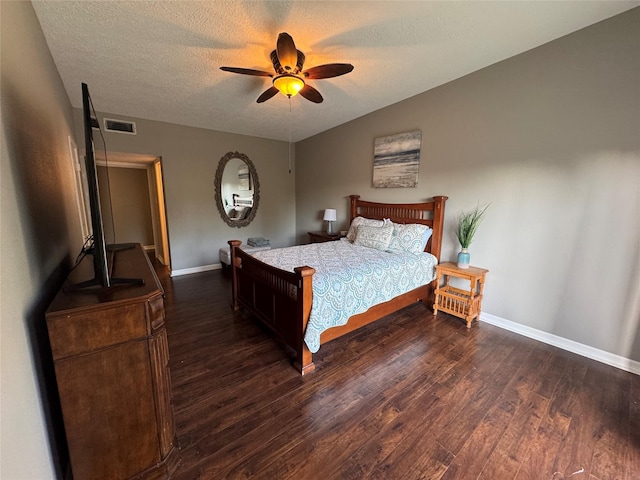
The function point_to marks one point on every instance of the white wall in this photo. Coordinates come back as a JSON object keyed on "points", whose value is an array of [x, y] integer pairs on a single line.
{"points": [[39, 232], [551, 138]]}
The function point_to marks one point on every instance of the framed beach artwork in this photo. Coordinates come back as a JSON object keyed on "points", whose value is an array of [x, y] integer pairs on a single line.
{"points": [[396, 160], [244, 180]]}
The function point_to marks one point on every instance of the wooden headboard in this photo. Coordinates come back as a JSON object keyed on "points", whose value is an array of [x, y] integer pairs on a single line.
{"points": [[425, 213], [239, 201]]}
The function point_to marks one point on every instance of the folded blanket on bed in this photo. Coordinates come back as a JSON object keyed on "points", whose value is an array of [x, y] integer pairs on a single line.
{"points": [[258, 242], [349, 279]]}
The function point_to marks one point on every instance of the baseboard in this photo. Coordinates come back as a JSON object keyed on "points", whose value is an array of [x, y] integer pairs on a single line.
{"points": [[569, 345], [188, 271]]}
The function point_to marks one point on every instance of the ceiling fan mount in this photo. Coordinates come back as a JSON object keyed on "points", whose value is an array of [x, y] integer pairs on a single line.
{"points": [[289, 78]]}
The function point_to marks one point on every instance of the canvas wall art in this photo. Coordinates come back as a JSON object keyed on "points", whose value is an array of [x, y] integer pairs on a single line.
{"points": [[396, 159], [244, 181]]}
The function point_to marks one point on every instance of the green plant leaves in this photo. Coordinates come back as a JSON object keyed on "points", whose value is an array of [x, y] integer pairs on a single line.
{"points": [[468, 223]]}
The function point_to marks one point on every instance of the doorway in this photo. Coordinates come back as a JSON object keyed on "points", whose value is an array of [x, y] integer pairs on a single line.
{"points": [[137, 207]]}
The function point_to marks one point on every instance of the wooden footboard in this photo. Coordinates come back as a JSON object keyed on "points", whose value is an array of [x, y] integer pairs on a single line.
{"points": [[420, 294], [282, 300]]}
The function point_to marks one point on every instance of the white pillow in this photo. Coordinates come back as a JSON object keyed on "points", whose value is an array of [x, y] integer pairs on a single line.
{"points": [[412, 237], [374, 237], [356, 222]]}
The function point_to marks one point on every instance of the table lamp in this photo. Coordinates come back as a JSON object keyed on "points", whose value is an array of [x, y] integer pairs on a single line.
{"points": [[330, 217]]}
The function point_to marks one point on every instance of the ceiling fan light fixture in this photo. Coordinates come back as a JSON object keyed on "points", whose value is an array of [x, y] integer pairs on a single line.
{"points": [[288, 64], [288, 85]]}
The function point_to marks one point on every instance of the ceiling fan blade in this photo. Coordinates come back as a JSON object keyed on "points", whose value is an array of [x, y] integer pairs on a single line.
{"points": [[280, 70], [329, 70], [247, 71], [267, 94], [311, 94], [301, 59], [287, 52]]}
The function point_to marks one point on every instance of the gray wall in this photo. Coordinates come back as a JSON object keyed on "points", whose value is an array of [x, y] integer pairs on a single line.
{"points": [[39, 233], [126, 193], [190, 157], [551, 139]]}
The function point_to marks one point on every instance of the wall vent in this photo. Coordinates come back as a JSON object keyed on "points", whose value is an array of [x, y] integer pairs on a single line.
{"points": [[119, 126]]}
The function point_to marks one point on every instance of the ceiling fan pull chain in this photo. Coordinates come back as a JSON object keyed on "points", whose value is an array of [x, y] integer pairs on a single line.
{"points": [[289, 146]]}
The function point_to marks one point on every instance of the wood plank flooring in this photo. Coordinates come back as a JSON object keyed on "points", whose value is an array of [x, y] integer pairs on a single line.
{"points": [[411, 397]]}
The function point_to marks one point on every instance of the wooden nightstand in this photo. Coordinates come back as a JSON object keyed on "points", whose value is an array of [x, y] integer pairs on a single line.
{"points": [[319, 237], [465, 304]]}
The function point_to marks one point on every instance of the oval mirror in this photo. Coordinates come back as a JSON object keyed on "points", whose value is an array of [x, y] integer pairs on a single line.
{"points": [[237, 189]]}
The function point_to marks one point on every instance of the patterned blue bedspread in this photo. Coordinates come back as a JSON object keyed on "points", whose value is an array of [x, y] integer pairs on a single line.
{"points": [[349, 279]]}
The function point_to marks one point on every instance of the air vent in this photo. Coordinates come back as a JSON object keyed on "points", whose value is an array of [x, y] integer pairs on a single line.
{"points": [[94, 123], [119, 126]]}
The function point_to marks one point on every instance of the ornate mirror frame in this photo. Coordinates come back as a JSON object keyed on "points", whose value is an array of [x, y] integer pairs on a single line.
{"points": [[218, 188]]}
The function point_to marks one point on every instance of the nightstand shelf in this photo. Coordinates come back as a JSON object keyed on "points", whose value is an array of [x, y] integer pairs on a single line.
{"points": [[465, 304]]}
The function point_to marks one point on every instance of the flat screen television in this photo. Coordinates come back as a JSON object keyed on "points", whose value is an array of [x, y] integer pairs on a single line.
{"points": [[103, 254]]}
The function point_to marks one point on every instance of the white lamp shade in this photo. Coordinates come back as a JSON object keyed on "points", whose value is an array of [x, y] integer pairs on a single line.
{"points": [[330, 215]]}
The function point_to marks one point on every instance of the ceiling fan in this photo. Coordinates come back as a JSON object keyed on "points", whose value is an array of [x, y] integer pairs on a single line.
{"points": [[289, 78]]}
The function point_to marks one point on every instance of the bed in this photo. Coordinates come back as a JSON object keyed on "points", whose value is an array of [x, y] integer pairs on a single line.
{"points": [[240, 207], [282, 298]]}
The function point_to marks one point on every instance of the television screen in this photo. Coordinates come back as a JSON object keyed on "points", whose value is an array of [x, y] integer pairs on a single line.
{"points": [[102, 245], [99, 247]]}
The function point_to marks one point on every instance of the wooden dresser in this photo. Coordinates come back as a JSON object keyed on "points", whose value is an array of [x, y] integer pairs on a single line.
{"points": [[112, 368]]}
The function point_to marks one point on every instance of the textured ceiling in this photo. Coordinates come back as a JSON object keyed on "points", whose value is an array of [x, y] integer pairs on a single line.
{"points": [[160, 60]]}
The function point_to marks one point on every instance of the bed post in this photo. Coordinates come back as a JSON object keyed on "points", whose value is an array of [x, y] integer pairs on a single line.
{"points": [[438, 225], [233, 244], [354, 207], [304, 360]]}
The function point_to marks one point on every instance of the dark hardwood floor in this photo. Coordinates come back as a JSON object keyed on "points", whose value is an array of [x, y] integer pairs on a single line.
{"points": [[411, 397]]}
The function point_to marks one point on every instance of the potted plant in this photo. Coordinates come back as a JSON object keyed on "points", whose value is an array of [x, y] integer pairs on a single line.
{"points": [[468, 223]]}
